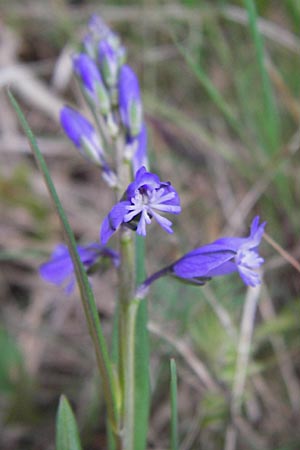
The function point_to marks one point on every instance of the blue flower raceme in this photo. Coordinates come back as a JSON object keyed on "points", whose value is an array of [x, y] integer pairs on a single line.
{"points": [[130, 103], [146, 197], [222, 257], [59, 270]]}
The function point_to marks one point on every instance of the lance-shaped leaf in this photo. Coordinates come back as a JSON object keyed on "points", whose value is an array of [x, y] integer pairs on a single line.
{"points": [[67, 436]]}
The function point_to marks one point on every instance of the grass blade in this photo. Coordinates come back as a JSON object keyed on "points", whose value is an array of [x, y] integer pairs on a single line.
{"points": [[67, 436], [86, 293], [174, 413], [270, 111]]}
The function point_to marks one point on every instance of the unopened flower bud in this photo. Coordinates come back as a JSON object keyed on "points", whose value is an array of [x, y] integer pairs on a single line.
{"points": [[89, 46], [109, 63], [82, 133], [121, 52], [130, 104], [93, 86], [98, 28]]}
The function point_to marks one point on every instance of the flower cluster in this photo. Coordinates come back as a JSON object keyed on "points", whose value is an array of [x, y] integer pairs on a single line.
{"points": [[112, 91]]}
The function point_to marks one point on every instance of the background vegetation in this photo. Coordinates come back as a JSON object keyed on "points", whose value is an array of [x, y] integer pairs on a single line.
{"points": [[221, 90]]}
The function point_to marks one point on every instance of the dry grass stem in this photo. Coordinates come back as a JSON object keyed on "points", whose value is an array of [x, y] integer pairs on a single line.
{"points": [[243, 355]]}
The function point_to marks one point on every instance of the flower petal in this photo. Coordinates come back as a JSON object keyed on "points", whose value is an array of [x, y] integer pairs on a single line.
{"points": [[204, 264], [112, 221]]}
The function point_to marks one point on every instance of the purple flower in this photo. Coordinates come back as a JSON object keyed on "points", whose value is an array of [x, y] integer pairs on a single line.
{"points": [[222, 257], [87, 70], [59, 270], [130, 104], [146, 197]]}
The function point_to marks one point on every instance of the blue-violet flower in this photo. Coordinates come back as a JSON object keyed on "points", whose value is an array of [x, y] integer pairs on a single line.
{"points": [[130, 104], [59, 270], [222, 257], [146, 197]]}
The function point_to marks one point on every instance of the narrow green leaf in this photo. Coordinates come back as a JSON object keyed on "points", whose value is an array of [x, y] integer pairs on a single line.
{"points": [[270, 111], [86, 292], [174, 413], [67, 436], [142, 356]]}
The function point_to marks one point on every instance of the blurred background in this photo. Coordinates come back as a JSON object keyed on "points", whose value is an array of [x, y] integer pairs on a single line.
{"points": [[221, 98]]}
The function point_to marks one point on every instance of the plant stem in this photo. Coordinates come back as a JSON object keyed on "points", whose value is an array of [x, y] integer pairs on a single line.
{"points": [[128, 307], [127, 319], [129, 376]]}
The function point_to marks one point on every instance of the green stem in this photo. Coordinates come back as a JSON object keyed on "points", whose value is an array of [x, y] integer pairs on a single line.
{"points": [[129, 375], [128, 309]]}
